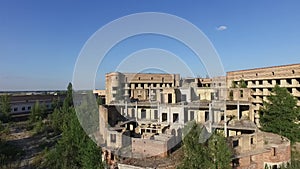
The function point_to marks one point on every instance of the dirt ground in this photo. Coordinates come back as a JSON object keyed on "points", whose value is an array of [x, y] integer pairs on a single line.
{"points": [[30, 144]]}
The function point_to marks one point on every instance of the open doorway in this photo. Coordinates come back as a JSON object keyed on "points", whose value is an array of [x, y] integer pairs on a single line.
{"points": [[164, 117], [175, 117], [170, 98]]}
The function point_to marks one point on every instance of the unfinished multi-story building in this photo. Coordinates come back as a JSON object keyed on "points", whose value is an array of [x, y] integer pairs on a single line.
{"points": [[262, 80], [145, 113], [141, 86]]}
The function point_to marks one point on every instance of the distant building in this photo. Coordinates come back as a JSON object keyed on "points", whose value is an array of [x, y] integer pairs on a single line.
{"points": [[22, 104]]}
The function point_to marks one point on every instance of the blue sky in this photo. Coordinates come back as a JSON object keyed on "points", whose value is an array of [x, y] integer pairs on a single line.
{"points": [[40, 40]]}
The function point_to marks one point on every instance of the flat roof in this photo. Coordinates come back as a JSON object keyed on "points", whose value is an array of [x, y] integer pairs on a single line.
{"points": [[268, 67]]}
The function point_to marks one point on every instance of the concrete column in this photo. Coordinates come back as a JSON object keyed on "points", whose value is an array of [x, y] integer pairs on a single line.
{"points": [[210, 113], [238, 110], [126, 109], [158, 112], [210, 118], [225, 119], [169, 115], [136, 111]]}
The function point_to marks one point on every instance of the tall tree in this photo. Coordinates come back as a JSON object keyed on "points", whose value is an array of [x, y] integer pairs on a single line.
{"points": [[280, 114], [212, 154], [74, 149], [5, 107], [36, 112], [69, 96]]}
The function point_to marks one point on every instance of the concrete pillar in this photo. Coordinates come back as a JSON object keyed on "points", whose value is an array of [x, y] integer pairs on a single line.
{"points": [[169, 115], [238, 110], [126, 109], [136, 111], [210, 113], [225, 119]]}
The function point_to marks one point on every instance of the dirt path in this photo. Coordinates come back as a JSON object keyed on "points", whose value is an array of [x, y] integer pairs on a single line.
{"points": [[21, 137]]}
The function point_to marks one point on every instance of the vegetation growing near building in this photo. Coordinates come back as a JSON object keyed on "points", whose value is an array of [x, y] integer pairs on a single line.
{"points": [[74, 149], [212, 154], [280, 114], [242, 84], [5, 108], [233, 84]]}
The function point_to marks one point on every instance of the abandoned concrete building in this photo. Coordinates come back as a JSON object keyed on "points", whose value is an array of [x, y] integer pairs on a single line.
{"points": [[260, 81], [144, 114]]}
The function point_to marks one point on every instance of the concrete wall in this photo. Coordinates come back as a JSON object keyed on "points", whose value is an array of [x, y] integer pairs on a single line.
{"points": [[262, 80]]}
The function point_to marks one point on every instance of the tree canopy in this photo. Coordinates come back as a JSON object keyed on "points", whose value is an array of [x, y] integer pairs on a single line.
{"points": [[212, 154], [74, 149], [5, 107], [280, 114]]}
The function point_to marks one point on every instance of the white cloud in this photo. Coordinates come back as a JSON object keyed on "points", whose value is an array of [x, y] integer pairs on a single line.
{"points": [[222, 28]]}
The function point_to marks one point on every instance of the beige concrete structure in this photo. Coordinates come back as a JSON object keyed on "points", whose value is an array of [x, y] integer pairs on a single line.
{"points": [[154, 108], [141, 86], [260, 149], [262, 80]]}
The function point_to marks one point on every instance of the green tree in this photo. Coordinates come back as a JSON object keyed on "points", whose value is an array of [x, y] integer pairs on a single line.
{"points": [[280, 114], [36, 113], [212, 154], [242, 84], [74, 149], [5, 107], [69, 96], [56, 103]]}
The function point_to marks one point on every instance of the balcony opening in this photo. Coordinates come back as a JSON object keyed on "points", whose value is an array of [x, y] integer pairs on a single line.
{"points": [[278, 81], [270, 82]]}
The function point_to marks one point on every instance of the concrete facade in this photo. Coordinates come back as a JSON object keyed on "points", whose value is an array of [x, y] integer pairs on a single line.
{"points": [[261, 81], [141, 86], [260, 149], [153, 109]]}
